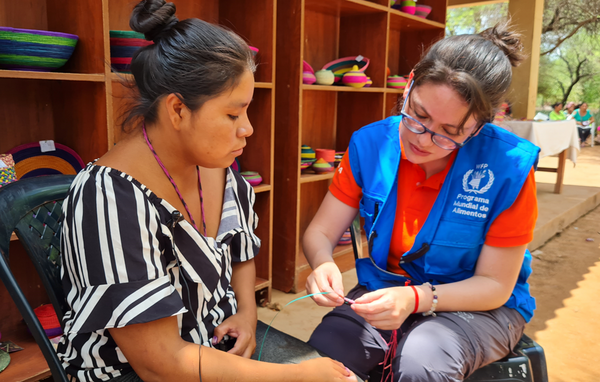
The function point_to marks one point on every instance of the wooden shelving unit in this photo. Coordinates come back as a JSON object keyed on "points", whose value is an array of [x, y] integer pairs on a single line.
{"points": [[80, 106], [318, 32]]}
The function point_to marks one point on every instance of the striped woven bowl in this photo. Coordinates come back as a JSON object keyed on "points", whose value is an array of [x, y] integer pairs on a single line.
{"points": [[340, 66], [123, 44], [34, 50]]}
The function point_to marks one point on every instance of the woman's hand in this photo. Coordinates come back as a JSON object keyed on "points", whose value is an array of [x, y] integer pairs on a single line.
{"points": [[386, 308], [326, 278], [243, 329], [324, 369]]}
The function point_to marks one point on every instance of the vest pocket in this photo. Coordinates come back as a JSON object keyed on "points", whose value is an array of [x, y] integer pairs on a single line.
{"points": [[369, 206], [455, 248]]}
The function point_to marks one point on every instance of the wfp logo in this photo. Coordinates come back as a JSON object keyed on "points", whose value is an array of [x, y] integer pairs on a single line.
{"points": [[478, 180]]}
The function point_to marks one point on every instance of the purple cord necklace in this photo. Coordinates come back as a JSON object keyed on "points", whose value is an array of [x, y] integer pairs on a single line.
{"points": [[175, 185]]}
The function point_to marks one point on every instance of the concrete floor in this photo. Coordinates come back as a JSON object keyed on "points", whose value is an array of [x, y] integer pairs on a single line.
{"points": [[581, 193]]}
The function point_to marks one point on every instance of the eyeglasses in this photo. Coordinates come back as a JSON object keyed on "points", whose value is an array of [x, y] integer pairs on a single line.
{"points": [[417, 127]]}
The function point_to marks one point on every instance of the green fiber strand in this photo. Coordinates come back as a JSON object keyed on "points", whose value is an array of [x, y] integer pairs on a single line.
{"points": [[271, 323]]}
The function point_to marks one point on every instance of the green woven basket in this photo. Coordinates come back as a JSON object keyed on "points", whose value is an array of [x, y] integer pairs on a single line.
{"points": [[34, 50]]}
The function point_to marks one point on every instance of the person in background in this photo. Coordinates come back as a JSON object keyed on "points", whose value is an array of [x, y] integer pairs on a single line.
{"points": [[557, 114], [569, 108], [584, 122], [158, 239], [449, 205]]}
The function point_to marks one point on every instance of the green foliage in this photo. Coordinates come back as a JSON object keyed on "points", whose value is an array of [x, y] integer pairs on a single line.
{"points": [[570, 39], [564, 19], [469, 20], [572, 72]]}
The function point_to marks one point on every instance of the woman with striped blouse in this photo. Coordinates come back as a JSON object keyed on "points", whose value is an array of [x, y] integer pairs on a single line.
{"points": [[158, 237]]}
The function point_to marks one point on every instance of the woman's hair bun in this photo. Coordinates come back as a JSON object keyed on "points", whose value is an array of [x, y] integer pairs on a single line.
{"points": [[153, 18], [507, 39]]}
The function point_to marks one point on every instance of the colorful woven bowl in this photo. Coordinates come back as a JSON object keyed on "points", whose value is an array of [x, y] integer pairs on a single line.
{"points": [[49, 320], [7, 169], [422, 10], [308, 78], [355, 78], [254, 51], [325, 77], [34, 50], [346, 238], [407, 6], [341, 66], [306, 164], [123, 44], [307, 153], [307, 68], [321, 166], [338, 158], [30, 161], [252, 177], [396, 82]]}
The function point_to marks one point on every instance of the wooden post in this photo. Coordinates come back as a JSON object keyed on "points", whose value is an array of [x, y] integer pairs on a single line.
{"points": [[527, 18], [560, 171]]}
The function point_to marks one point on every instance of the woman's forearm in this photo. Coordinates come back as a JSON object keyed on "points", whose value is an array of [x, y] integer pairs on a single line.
{"points": [[317, 247], [227, 367], [478, 293], [242, 281], [491, 286]]}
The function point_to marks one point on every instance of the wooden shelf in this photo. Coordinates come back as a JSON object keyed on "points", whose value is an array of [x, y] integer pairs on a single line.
{"points": [[81, 107], [263, 85], [119, 76], [261, 284], [404, 21], [128, 77], [345, 7], [51, 76], [394, 91], [342, 88], [318, 32], [308, 178], [27, 365], [262, 188]]}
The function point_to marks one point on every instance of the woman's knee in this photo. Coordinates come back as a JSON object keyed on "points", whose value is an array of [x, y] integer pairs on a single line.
{"points": [[432, 353], [348, 342]]}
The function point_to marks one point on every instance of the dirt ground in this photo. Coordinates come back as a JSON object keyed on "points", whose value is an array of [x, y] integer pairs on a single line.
{"points": [[566, 285]]}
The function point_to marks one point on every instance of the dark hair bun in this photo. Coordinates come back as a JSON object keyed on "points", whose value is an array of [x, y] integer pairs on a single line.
{"points": [[504, 37], [153, 18]]}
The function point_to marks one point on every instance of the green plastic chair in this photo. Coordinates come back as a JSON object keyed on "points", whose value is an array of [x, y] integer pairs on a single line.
{"points": [[32, 208]]}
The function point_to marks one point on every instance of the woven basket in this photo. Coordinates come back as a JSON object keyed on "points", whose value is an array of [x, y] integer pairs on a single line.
{"points": [[34, 50], [30, 161], [123, 44], [343, 65]]}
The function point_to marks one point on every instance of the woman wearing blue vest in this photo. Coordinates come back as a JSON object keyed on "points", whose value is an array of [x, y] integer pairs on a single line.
{"points": [[449, 205]]}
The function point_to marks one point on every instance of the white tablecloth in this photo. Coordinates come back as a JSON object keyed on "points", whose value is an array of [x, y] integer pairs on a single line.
{"points": [[552, 137]]}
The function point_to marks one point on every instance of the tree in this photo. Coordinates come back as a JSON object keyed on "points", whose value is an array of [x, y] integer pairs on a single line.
{"points": [[563, 19], [469, 20], [577, 72]]}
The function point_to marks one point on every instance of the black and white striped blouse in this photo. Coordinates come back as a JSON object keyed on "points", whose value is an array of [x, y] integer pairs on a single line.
{"points": [[119, 266]]}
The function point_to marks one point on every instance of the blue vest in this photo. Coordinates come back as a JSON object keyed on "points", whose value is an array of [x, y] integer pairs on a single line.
{"points": [[484, 180]]}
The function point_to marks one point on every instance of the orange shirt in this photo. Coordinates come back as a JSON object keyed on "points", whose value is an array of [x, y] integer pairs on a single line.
{"points": [[416, 196]]}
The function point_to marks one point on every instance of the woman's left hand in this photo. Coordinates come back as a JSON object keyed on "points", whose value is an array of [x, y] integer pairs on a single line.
{"points": [[386, 308], [242, 328]]}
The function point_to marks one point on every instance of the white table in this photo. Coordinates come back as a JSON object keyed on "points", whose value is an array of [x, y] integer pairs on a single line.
{"points": [[553, 138]]}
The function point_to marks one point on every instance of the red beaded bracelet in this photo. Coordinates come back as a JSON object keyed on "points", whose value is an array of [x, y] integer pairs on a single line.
{"points": [[416, 299]]}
